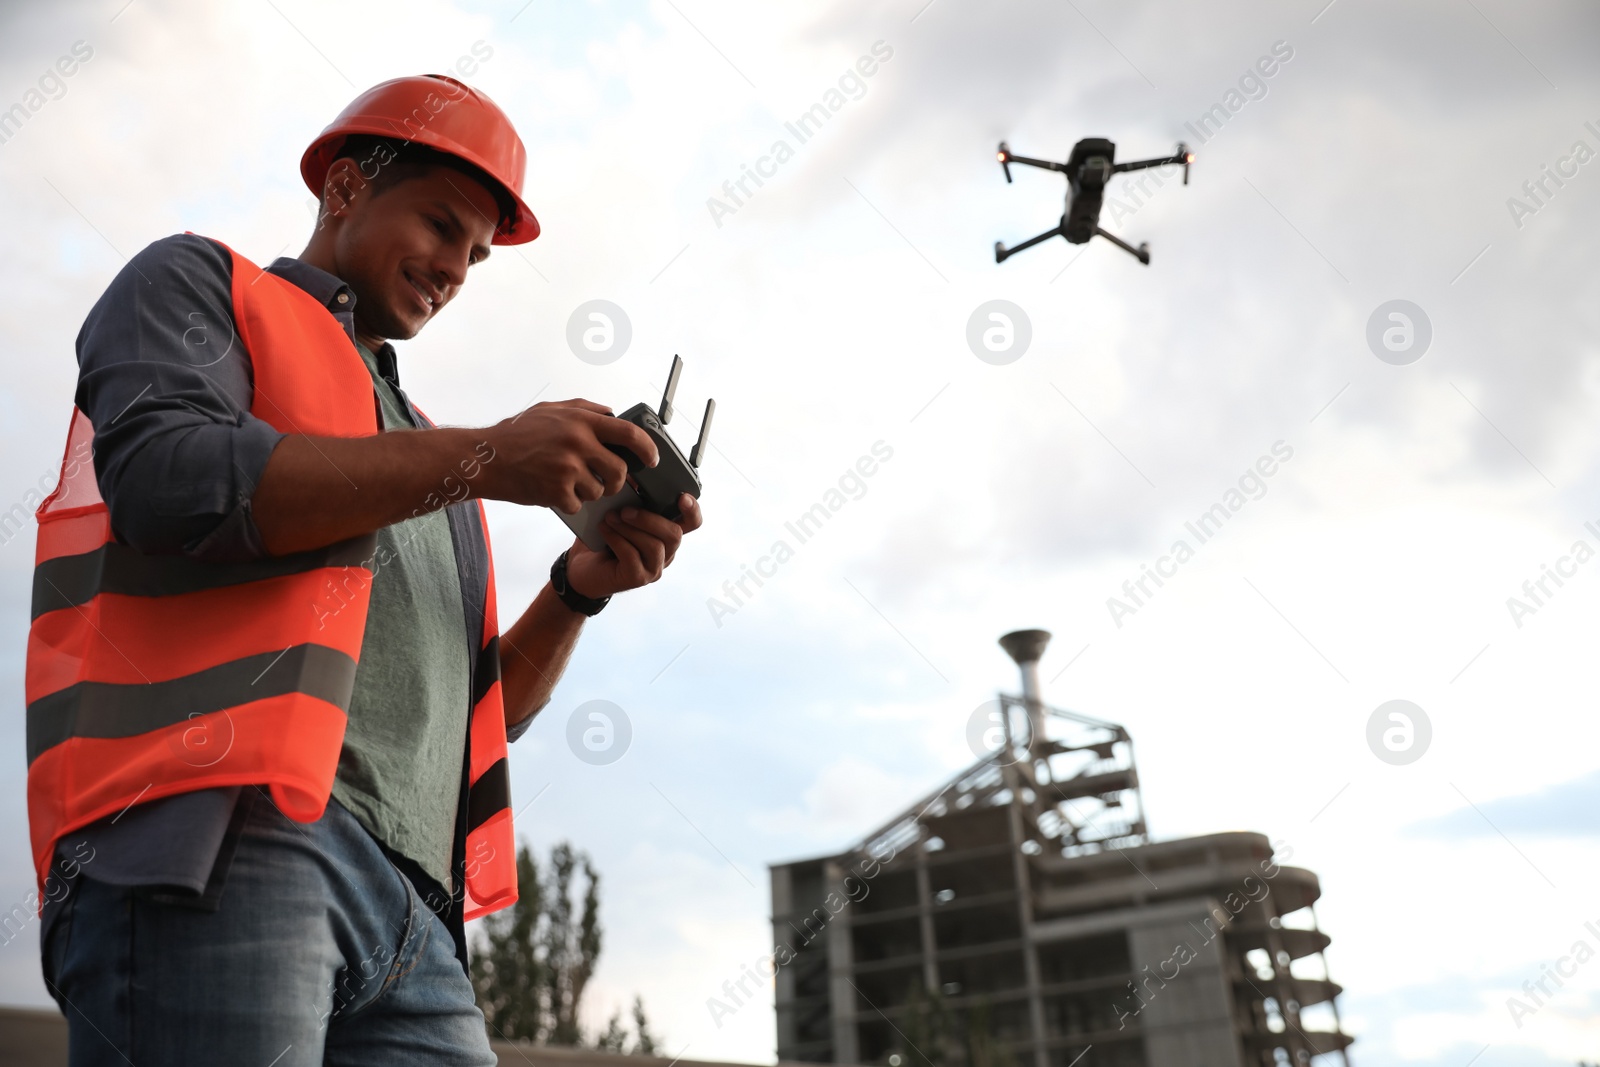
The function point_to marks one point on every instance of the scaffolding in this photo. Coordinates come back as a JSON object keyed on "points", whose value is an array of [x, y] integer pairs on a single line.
{"points": [[1026, 899]]}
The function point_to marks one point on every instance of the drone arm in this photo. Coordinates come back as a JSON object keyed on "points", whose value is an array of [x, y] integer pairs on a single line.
{"points": [[1145, 164], [1142, 253], [1183, 156], [1044, 164], [1007, 157], [1002, 253]]}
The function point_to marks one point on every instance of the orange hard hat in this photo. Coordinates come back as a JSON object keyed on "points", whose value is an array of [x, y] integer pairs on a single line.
{"points": [[441, 113]]}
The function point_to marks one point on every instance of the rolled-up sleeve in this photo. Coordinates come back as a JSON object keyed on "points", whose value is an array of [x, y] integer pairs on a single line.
{"points": [[515, 731], [167, 384]]}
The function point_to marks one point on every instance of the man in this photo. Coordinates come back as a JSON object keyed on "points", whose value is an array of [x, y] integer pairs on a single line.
{"points": [[268, 703]]}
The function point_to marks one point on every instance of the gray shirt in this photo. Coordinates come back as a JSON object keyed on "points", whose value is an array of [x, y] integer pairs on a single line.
{"points": [[407, 728]]}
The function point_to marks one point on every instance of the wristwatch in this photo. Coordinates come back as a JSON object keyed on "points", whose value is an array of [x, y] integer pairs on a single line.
{"points": [[583, 605]]}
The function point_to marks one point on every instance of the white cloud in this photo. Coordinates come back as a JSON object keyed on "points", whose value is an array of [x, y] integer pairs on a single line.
{"points": [[823, 317], [848, 800]]}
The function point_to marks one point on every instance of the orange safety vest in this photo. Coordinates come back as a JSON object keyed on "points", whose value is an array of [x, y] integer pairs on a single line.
{"points": [[149, 676]]}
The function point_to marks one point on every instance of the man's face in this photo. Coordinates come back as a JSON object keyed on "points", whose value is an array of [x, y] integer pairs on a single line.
{"points": [[405, 251]]}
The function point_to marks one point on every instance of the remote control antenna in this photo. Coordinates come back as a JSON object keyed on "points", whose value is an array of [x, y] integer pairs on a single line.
{"points": [[665, 414], [705, 433]]}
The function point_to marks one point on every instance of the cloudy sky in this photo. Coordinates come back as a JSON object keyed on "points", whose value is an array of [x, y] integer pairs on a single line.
{"points": [[827, 310]]}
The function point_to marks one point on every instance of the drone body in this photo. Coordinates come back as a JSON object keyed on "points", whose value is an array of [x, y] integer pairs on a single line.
{"points": [[1088, 169]]}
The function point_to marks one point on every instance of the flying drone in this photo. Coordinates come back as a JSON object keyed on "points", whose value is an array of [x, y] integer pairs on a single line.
{"points": [[1088, 169]]}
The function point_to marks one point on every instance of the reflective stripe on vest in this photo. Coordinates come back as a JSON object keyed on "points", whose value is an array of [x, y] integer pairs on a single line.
{"points": [[149, 676], [491, 867]]}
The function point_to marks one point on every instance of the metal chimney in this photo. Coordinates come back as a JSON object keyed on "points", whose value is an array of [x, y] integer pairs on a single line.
{"points": [[1027, 647]]}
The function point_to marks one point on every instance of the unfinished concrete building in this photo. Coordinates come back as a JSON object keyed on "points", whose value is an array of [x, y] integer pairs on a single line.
{"points": [[1025, 897]]}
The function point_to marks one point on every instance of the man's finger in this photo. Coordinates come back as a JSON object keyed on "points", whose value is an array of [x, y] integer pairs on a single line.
{"points": [[581, 405], [629, 436], [602, 481], [658, 526], [650, 551], [569, 504], [627, 555], [689, 508], [586, 486], [609, 469], [571, 405]]}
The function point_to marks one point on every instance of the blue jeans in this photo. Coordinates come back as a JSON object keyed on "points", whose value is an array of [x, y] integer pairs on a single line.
{"points": [[319, 951]]}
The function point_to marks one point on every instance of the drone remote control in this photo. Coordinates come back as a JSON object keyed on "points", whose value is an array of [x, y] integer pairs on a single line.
{"points": [[652, 488]]}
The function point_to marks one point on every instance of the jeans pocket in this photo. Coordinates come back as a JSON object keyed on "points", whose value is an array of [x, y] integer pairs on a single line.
{"points": [[419, 928], [53, 948]]}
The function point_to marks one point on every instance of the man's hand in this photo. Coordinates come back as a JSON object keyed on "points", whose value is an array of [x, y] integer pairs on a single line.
{"points": [[554, 455], [641, 545], [535, 650], [316, 491]]}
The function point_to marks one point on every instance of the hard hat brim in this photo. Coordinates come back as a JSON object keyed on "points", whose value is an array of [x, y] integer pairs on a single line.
{"points": [[521, 228]]}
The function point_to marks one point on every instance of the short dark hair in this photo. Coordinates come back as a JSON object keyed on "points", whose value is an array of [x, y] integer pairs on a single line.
{"points": [[397, 161]]}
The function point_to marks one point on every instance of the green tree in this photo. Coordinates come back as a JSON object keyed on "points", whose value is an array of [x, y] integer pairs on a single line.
{"points": [[615, 1036], [645, 1043], [926, 1031], [534, 961], [570, 948], [983, 1048], [932, 1034], [507, 966]]}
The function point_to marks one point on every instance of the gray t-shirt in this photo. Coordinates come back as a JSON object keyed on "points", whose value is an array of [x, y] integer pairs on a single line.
{"points": [[400, 769]]}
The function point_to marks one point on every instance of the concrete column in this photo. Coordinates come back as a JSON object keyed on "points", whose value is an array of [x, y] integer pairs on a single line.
{"points": [[930, 947], [1030, 954], [841, 970]]}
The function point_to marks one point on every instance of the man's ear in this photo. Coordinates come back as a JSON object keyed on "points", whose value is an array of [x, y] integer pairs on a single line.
{"points": [[340, 189]]}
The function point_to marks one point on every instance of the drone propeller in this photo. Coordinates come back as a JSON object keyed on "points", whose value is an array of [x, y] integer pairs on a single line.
{"points": [[1004, 155]]}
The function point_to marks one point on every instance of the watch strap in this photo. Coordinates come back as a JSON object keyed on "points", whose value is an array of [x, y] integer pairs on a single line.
{"points": [[583, 605]]}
